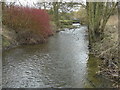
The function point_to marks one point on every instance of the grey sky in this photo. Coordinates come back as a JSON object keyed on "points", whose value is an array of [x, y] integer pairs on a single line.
{"points": [[30, 2]]}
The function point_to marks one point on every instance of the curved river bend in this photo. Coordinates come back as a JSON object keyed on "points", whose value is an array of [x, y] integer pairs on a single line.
{"points": [[61, 62]]}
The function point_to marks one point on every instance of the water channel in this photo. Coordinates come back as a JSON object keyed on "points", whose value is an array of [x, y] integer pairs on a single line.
{"points": [[62, 62]]}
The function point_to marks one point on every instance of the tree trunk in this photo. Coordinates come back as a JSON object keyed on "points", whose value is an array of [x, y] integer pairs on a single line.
{"points": [[98, 14], [56, 12]]}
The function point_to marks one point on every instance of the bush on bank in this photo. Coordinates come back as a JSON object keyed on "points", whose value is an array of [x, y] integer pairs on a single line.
{"points": [[30, 24]]}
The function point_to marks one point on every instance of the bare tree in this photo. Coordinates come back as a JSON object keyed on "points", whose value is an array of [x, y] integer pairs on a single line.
{"points": [[98, 14]]}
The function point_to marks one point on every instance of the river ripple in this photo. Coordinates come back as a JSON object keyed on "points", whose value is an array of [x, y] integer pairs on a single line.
{"points": [[61, 62]]}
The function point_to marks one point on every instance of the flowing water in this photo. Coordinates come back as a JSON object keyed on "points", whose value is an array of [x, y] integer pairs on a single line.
{"points": [[62, 62]]}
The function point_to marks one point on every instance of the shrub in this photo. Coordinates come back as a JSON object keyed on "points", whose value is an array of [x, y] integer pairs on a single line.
{"points": [[25, 19]]}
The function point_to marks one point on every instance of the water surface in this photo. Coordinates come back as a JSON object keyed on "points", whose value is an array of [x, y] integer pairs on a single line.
{"points": [[61, 62]]}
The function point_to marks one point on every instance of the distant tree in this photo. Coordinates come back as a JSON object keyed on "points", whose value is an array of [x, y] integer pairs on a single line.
{"points": [[82, 15], [56, 6]]}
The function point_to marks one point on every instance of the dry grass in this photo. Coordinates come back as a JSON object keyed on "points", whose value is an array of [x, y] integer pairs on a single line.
{"points": [[107, 49], [113, 20], [112, 28]]}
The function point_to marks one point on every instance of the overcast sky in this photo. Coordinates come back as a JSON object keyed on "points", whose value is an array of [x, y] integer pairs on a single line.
{"points": [[30, 2]]}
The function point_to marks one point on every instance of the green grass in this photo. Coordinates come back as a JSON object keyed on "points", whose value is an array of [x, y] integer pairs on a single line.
{"points": [[66, 22]]}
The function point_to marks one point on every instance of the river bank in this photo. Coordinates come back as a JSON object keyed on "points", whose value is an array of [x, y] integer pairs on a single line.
{"points": [[11, 39], [8, 38], [107, 50]]}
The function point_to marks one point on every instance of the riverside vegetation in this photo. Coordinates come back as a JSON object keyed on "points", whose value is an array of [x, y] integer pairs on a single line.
{"points": [[25, 23], [103, 37]]}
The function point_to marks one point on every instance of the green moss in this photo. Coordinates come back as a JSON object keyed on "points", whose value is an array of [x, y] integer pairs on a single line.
{"points": [[5, 42], [92, 65]]}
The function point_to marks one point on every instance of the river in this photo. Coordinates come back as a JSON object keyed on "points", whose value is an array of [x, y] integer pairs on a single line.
{"points": [[62, 62]]}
